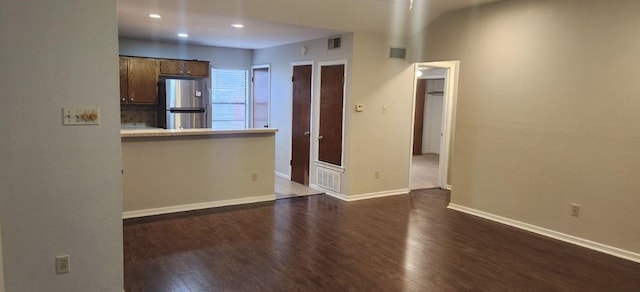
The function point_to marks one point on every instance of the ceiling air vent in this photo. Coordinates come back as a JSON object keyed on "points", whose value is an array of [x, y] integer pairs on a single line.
{"points": [[334, 43], [399, 53]]}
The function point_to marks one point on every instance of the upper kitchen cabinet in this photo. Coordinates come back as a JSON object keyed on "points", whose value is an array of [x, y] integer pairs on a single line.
{"points": [[184, 68], [138, 80], [124, 79]]}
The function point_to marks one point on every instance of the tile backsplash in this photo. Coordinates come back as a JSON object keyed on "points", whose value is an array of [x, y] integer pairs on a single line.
{"points": [[138, 114]]}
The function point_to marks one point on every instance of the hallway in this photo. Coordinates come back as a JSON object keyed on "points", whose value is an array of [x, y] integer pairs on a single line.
{"points": [[424, 171]]}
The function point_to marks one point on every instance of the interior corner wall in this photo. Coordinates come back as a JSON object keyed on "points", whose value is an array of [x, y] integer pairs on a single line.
{"points": [[60, 186], [280, 59], [547, 113], [380, 136], [217, 56]]}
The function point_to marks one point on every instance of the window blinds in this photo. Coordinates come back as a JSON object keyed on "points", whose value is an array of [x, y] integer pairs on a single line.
{"points": [[228, 98]]}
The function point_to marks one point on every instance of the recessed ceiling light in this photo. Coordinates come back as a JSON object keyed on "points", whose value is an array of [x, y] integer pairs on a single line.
{"points": [[155, 15], [238, 25], [183, 35]]}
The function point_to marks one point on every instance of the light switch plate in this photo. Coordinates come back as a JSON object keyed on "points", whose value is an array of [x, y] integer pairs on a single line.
{"points": [[85, 115]]}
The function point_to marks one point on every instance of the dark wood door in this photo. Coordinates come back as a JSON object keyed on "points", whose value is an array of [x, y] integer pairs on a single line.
{"points": [[300, 128], [418, 124], [124, 77], [143, 80], [331, 108]]}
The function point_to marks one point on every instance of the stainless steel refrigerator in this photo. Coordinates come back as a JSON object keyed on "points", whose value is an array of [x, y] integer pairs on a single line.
{"points": [[184, 104]]}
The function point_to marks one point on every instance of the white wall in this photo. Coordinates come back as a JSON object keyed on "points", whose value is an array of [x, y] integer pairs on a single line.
{"points": [[379, 140], [60, 187], [280, 59], [432, 127], [217, 56], [547, 113], [432, 123]]}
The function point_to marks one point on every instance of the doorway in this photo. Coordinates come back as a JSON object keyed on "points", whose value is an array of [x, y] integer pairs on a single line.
{"points": [[435, 95], [260, 101]]}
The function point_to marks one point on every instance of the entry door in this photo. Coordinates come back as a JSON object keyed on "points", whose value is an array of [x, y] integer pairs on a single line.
{"points": [[300, 128], [331, 108], [260, 78], [418, 122]]}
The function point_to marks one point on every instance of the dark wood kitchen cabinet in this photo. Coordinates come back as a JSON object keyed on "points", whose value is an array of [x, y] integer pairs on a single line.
{"points": [[138, 80], [184, 68]]}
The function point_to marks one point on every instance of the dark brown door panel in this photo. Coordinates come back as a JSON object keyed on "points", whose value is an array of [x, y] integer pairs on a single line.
{"points": [[300, 128], [331, 113]]}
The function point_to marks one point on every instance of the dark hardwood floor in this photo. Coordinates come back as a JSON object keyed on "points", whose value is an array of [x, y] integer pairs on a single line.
{"points": [[317, 243]]}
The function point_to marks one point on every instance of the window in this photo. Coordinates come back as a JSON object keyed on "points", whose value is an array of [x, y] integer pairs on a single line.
{"points": [[229, 98]]}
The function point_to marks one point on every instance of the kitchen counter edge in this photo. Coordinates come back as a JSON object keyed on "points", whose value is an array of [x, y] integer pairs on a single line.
{"points": [[128, 133]]}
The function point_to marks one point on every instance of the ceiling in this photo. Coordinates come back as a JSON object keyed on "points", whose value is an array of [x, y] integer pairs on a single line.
{"points": [[270, 23]]}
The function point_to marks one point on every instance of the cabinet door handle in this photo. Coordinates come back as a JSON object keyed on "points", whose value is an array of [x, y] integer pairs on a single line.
{"points": [[320, 137], [188, 72], [124, 99], [307, 133]]}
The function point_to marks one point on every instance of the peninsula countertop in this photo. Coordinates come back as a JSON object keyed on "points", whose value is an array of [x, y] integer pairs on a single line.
{"points": [[133, 133]]}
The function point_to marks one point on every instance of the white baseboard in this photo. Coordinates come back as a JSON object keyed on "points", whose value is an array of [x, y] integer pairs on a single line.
{"points": [[360, 196], [196, 206], [282, 175], [614, 251], [378, 194], [328, 192]]}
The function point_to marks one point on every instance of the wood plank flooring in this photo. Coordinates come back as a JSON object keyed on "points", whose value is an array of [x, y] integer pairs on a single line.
{"points": [[318, 243]]}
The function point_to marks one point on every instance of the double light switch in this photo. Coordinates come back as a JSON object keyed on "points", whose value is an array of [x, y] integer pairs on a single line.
{"points": [[80, 116]]}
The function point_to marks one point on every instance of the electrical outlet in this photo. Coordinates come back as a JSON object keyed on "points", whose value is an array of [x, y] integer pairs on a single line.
{"points": [[62, 264], [377, 174], [575, 210], [254, 176]]}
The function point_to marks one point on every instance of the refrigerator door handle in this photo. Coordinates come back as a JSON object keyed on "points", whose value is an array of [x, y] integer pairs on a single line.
{"points": [[186, 110]]}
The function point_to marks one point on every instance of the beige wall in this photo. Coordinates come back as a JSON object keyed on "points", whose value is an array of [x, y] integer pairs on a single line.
{"points": [[376, 140], [60, 186], [547, 113], [173, 171]]}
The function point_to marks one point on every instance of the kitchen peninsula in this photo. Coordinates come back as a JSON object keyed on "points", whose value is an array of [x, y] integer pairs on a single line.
{"points": [[167, 171]]}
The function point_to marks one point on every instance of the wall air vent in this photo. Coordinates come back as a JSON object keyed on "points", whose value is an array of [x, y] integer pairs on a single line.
{"points": [[399, 53], [328, 179], [334, 43]]}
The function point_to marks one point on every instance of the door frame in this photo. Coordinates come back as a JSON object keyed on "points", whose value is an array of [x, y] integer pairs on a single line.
{"points": [[316, 104], [448, 116], [252, 94], [311, 114]]}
